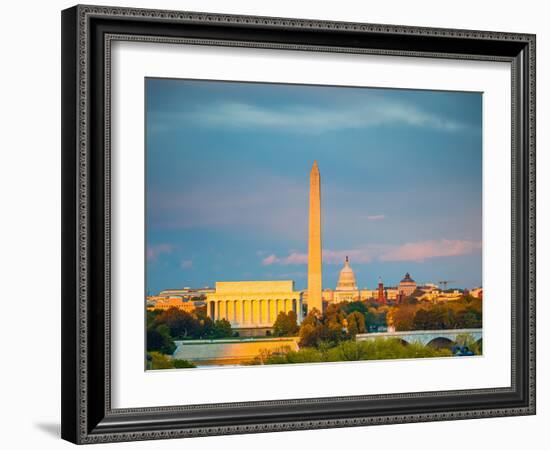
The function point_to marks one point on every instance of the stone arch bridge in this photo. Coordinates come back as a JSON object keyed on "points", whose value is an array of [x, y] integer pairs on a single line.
{"points": [[425, 337]]}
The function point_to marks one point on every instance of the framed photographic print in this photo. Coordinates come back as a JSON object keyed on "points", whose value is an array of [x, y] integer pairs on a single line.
{"points": [[282, 224]]}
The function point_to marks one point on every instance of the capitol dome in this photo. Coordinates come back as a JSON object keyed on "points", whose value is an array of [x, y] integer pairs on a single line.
{"points": [[346, 280]]}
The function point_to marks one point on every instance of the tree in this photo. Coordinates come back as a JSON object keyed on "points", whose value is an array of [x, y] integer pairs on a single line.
{"points": [[375, 318], [468, 318], [436, 318], [181, 323], [159, 339], [402, 317], [222, 329], [308, 335], [356, 323], [207, 328], [158, 360], [286, 324]]}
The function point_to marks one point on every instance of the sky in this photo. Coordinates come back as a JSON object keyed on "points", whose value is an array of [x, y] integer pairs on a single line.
{"points": [[227, 174]]}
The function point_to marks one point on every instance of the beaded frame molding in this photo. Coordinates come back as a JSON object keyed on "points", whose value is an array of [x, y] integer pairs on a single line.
{"points": [[87, 35]]}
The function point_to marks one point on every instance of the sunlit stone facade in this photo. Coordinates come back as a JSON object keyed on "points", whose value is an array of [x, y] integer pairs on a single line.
{"points": [[315, 253], [253, 304], [407, 285]]}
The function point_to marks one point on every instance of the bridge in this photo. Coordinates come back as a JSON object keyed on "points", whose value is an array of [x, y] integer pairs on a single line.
{"points": [[439, 338]]}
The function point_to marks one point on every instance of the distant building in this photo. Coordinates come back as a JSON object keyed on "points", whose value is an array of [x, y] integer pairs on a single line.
{"points": [[346, 288], [381, 297], [392, 293], [164, 303], [407, 285]]}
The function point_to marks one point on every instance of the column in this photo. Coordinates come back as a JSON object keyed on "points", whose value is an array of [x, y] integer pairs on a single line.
{"points": [[272, 311], [230, 311], [246, 310], [223, 312], [238, 312], [265, 312], [211, 311], [257, 312]]}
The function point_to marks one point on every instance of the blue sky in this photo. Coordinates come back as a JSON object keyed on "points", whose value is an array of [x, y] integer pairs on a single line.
{"points": [[228, 181]]}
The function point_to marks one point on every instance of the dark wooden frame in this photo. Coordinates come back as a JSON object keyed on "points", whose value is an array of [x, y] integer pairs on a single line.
{"points": [[87, 32]]}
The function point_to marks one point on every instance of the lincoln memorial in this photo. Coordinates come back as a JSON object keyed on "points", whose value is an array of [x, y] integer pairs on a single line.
{"points": [[252, 306]]}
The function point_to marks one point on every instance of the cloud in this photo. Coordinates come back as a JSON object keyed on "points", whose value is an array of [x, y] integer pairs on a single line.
{"points": [[186, 264], [420, 251], [293, 258], [307, 119], [413, 251], [376, 217], [155, 250]]}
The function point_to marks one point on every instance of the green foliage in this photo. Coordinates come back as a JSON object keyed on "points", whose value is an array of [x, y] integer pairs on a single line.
{"points": [[156, 361], [286, 324], [309, 335], [317, 328], [357, 306], [375, 318], [180, 323], [463, 313], [184, 325], [437, 318], [159, 361], [356, 323], [159, 340], [357, 351], [221, 329], [469, 318], [183, 364]]}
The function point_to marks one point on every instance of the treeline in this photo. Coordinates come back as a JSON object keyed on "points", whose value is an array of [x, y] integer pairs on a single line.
{"points": [[342, 321], [375, 349], [157, 360], [164, 327], [463, 313]]}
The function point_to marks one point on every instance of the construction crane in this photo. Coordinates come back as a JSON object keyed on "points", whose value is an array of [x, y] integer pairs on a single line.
{"points": [[445, 283]]}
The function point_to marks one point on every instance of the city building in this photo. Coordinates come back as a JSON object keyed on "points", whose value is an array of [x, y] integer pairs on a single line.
{"points": [[163, 303], [407, 285], [381, 296], [195, 295], [253, 306], [346, 288]]}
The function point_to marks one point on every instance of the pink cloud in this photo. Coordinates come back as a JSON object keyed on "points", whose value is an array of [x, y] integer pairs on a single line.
{"points": [[292, 259], [412, 251], [420, 251], [154, 251]]}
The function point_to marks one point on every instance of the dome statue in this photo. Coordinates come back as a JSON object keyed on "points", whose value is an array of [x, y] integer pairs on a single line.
{"points": [[346, 280]]}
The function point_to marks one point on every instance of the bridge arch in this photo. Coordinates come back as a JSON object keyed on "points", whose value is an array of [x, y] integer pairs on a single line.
{"points": [[441, 342]]}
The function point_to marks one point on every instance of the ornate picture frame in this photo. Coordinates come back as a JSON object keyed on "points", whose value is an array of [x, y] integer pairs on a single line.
{"points": [[87, 35]]}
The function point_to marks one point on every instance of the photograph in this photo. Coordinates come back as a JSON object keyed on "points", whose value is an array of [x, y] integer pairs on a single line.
{"points": [[300, 224]]}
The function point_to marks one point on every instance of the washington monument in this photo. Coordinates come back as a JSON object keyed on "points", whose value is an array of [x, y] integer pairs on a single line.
{"points": [[315, 257]]}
